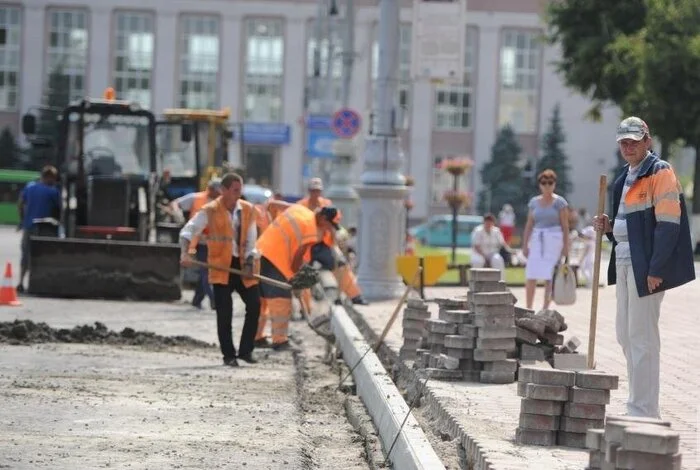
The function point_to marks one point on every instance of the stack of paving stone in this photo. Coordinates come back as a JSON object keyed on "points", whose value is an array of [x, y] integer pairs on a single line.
{"points": [[630, 443], [559, 407], [539, 334], [414, 316]]}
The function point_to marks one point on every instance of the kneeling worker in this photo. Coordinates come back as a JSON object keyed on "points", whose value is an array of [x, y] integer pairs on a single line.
{"points": [[231, 238], [487, 242], [283, 246]]}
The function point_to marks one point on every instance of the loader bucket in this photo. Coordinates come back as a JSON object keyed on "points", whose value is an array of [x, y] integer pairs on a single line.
{"points": [[103, 269]]}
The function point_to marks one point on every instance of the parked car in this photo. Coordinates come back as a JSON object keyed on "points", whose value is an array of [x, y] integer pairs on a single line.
{"points": [[256, 194], [437, 230]]}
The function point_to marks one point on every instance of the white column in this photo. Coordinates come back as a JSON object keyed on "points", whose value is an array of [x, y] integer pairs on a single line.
{"points": [[165, 73], [421, 147], [230, 85], [294, 79], [100, 39], [33, 55]]}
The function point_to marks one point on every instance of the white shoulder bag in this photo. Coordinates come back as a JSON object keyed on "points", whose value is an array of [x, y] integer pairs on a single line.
{"points": [[564, 284]]}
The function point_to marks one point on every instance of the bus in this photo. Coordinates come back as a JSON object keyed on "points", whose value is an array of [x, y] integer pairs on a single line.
{"points": [[11, 184]]}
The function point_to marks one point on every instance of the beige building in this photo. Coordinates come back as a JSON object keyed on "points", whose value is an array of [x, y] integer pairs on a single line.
{"points": [[254, 57]]}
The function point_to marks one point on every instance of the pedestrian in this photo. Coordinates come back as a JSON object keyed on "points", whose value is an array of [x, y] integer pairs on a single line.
{"points": [[231, 238], [487, 242], [506, 222], [38, 200], [651, 254], [546, 237], [193, 203]]}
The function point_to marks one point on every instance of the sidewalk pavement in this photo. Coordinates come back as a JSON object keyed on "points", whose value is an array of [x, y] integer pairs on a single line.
{"points": [[489, 413]]}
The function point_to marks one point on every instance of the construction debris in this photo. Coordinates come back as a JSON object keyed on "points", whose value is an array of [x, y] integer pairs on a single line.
{"points": [[559, 407], [628, 442]]}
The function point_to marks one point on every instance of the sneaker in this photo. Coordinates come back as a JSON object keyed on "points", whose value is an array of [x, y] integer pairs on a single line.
{"points": [[231, 362], [262, 343], [20, 289], [359, 300], [281, 346], [248, 358]]}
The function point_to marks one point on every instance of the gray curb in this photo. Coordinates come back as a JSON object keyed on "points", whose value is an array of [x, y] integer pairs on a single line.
{"points": [[383, 400]]}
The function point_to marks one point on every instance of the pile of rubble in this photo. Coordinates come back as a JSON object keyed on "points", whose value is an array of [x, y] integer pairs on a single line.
{"points": [[630, 443], [539, 338], [559, 407]]}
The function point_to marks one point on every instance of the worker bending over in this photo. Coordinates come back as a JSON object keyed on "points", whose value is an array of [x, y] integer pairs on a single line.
{"points": [[282, 247], [231, 243], [344, 274]]}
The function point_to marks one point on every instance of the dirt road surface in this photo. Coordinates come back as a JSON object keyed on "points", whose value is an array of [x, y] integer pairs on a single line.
{"points": [[68, 405]]}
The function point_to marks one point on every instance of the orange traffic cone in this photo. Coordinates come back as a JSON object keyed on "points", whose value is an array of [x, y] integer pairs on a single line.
{"points": [[8, 293]]}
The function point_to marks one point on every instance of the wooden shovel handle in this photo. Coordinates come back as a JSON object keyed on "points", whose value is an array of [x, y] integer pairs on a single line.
{"points": [[267, 280], [602, 193]]}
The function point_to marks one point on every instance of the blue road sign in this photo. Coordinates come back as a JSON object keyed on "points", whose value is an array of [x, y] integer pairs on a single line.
{"points": [[346, 123], [319, 143]]}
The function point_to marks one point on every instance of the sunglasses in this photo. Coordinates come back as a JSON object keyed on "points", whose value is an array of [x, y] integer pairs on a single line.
{"points": [[547, 182]]}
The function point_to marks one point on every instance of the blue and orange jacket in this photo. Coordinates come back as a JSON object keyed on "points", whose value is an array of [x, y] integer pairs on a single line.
{"points": [[657, 227]]}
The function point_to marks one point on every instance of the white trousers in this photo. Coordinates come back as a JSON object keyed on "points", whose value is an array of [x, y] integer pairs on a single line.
{"points": [[637, 328], [495, 262]]}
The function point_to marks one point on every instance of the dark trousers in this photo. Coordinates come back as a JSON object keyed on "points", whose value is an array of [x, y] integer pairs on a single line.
{"points": [[224, 313], [203, 287]]}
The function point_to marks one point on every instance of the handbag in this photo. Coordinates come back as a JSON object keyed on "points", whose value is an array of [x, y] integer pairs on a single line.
{"points": [[564, 284]]}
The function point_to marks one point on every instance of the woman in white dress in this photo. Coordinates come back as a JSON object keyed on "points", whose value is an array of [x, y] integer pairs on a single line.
{"points": [[546, 237]]}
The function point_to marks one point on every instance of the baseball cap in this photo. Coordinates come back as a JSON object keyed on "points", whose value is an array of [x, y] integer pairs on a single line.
{"points": [[214, 183], [315, 183], [632, 128], [332, 215]]}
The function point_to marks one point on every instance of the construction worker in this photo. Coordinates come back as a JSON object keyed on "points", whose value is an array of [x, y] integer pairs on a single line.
{"points": [[192, 203], [231, 242], [283, 247], [343, 273]]}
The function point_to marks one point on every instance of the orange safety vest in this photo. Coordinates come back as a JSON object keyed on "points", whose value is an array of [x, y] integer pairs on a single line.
{"points": [[221, 236], [290, 230], [322, 202], [200, 199]]}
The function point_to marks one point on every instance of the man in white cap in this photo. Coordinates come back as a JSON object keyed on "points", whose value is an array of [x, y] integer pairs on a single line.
{"points": [[651, 253]]}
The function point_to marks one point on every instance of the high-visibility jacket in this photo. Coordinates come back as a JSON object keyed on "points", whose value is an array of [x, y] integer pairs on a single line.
{"points": [[266, 213], [200, 199], [322, 202], [221, 236], [290, 230]]}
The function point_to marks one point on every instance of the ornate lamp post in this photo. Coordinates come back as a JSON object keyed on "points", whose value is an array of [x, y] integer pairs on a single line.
{"points": [[455, 198], [408, 202]]}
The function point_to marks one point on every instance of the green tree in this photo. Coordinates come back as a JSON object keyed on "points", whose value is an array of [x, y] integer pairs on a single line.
{"points": [[502, 177], [8, 149], [553, 155]]}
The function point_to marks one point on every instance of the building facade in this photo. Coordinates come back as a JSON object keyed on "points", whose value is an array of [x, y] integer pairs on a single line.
{"points": [[255, 57]]}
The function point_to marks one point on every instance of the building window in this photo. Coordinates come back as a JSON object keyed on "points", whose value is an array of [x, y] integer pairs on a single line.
{"points": [[10, 31], [404, 75], [66, 56], [316, 82], [264, 67], [442, 181], [454, 105], [199, 62], [133, 58], [520, 80]]}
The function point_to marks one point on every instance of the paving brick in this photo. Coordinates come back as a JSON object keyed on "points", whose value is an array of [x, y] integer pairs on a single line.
{"points": [[571, 439], [547, 392], [532, 324], [547, 376], [521, 312], [413, 314], [525, 336], [539, 422], [637, 420], [597, 380], [433, 360], [589, 396], [506, 332], [416, 304], [506, 344], [531, 352], [441, 327], [487, 310], [484, 274], [585, 411], [554, 321], [651, 439], [487, 286], [436, 338], [554, 339], [467, 330], [540, 407], [471, 376], [469, 365], [595, 439], [580, 425], [572, 344], [456, 316], [509, 365], [535, 438], [443, 374], [437, 349], [611, 452], [459, 342], [411, 334], [571, 361], [490, 322], [493, 298], [409, 324], [486, 355], [460, 353], [629, 460], [595, 459], [522, 389], [615, 431], [496, 377], [447, 362]]}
